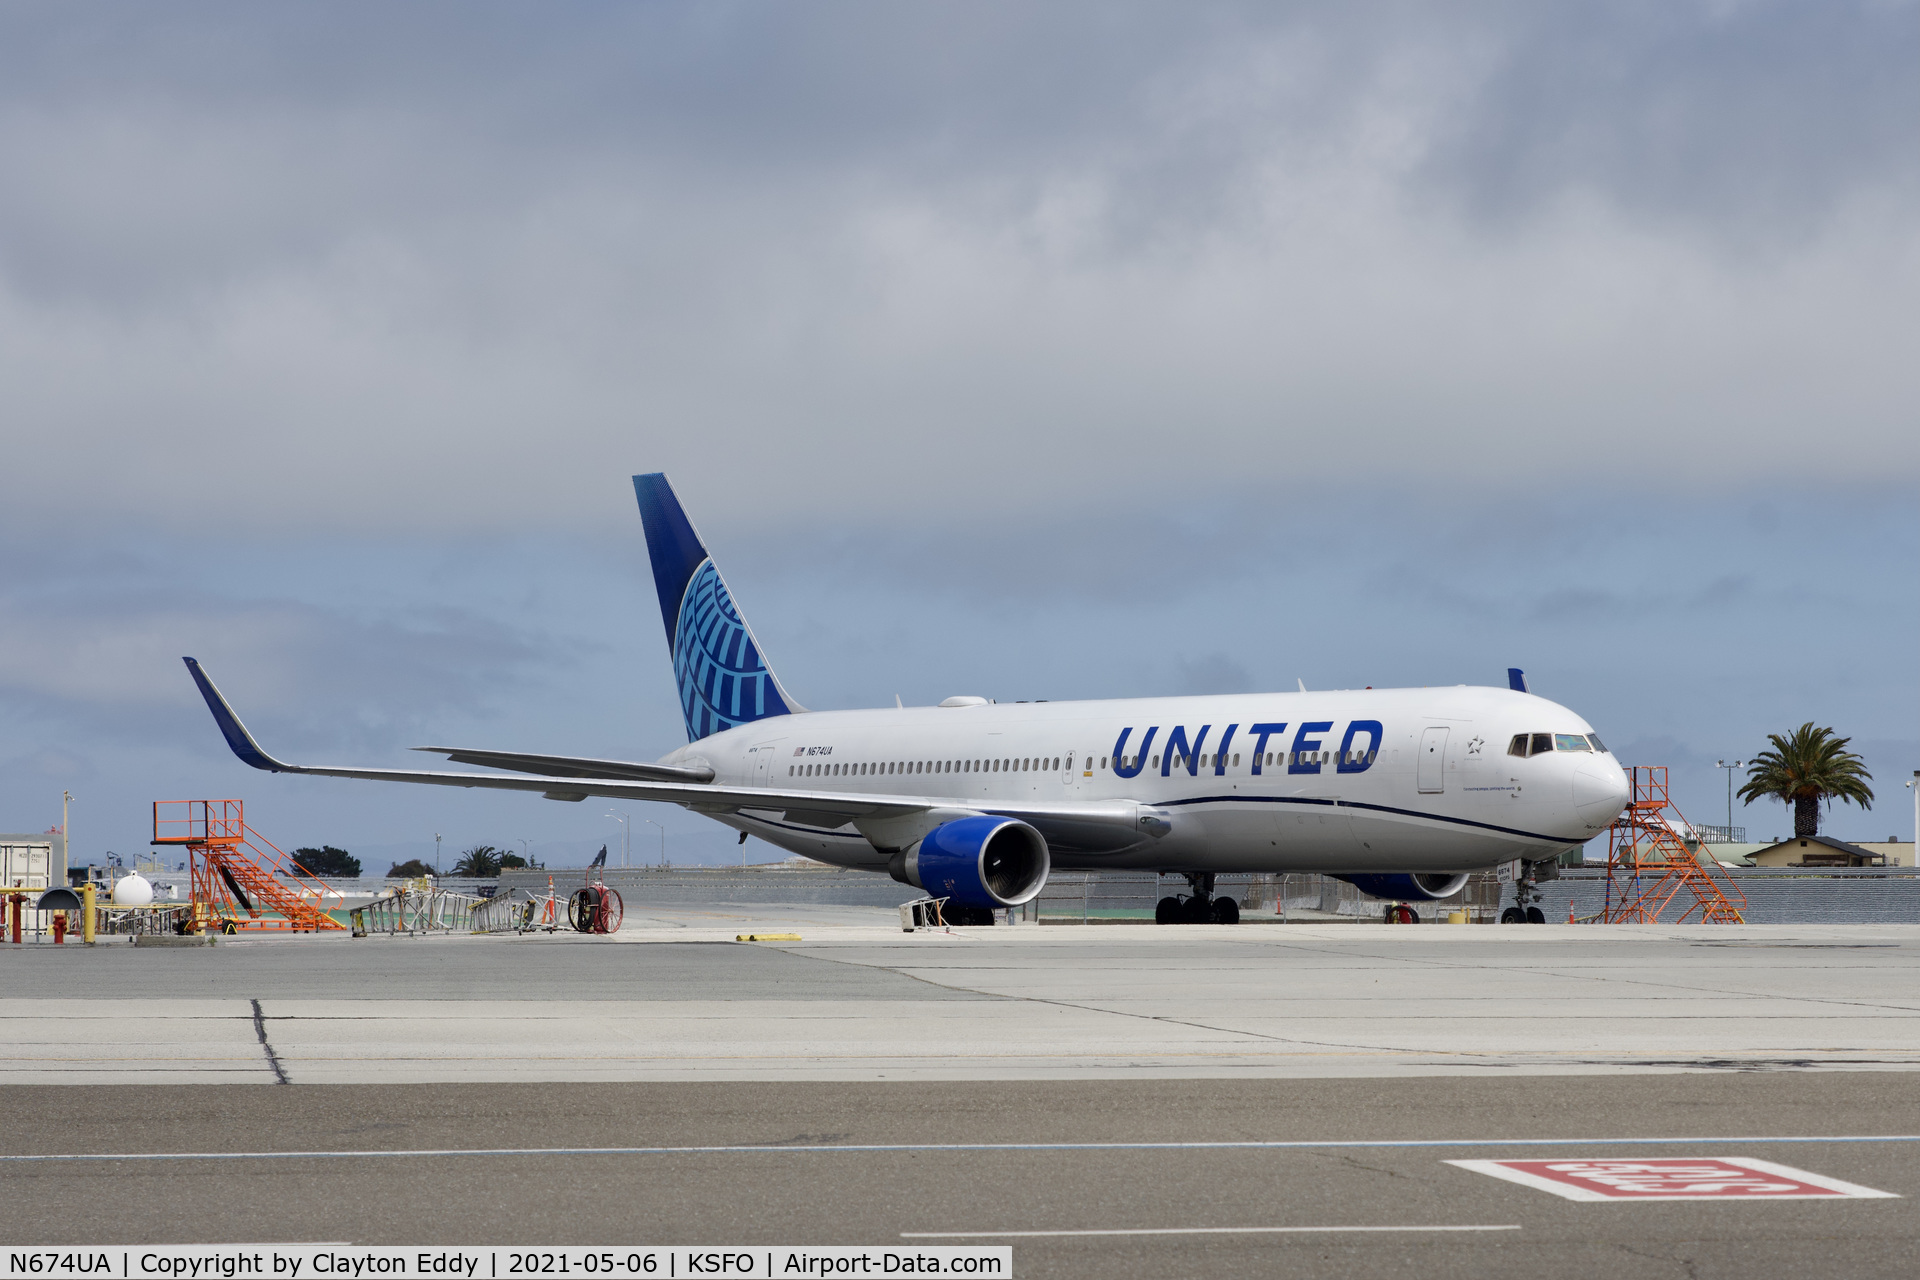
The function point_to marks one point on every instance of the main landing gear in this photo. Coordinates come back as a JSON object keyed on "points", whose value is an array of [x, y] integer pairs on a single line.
{"points": [[1401, 913], [1200, 907]]}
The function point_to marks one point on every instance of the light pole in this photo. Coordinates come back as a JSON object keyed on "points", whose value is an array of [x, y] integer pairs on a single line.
{"points": [[66, 839], [625, 820], [1914, 782], [436, 855], [1729, 766], [663, 839], [526, 855]]}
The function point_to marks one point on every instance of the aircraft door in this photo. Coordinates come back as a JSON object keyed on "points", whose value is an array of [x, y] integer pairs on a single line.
{"points": [[763, 764], [1433, 760], [1066, 769]]}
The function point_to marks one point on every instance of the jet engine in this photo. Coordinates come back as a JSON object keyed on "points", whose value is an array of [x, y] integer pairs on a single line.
{"points": [[1415, 887], [982, 862]]}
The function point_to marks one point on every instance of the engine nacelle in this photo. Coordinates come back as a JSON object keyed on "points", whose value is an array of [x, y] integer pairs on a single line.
{"points": [[1408, 887], [977, 862]]}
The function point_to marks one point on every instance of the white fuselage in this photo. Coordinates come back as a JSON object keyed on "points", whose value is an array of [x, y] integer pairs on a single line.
{"points": [[1387, 780]]}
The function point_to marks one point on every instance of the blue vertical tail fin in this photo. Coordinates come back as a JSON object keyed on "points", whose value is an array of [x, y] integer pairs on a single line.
{"points": [[723, 678]]}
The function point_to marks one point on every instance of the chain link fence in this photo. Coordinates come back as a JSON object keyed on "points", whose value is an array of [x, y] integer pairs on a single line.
{"points": [[1785, 896]]}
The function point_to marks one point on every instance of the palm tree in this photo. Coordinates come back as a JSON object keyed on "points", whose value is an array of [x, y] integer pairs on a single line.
{"points": [[479, 862], [1805, 767]]}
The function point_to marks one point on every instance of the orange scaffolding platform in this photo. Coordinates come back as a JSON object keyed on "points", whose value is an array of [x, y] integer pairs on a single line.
{"points": [[241, 881], [1649, 863]]}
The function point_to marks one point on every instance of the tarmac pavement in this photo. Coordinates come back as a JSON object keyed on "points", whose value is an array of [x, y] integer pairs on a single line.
{"points": [[863, 1086]]}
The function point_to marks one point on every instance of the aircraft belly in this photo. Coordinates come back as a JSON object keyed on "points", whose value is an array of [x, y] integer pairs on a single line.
{"points": [[1306, 837], [835, 850]]}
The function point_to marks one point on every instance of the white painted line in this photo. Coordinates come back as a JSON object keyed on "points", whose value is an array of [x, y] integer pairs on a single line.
{"points": [[866, 1148], [1175, 1231], [1719, 1178]]}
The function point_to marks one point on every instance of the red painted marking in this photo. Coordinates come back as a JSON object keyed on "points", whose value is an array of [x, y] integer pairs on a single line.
{"points": [[1672, 1178], [1636, 1179]]}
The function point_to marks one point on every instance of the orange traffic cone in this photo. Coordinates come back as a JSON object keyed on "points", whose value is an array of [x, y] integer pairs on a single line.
{"points": [[1569, 913]]}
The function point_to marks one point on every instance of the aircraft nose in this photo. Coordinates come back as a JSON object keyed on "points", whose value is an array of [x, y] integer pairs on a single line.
{"points": [[1599, 792]]}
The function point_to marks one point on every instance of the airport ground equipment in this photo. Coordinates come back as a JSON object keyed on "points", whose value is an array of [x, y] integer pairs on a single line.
{"points": [[155, 919], [518, 911], [416, 907], [242, 882], [1650, 863], [595, 908], [922, 913]]}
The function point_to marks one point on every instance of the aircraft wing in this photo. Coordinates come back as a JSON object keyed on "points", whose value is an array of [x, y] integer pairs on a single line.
{"points": [[1104, 825], [572, 766]]}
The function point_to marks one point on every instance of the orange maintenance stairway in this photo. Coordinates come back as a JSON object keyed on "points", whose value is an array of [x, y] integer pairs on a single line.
{"points": [[241, 881], [1649, 863]]}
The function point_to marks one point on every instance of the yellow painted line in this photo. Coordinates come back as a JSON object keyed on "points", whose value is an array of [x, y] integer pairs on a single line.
{"points": [[766, 937]]}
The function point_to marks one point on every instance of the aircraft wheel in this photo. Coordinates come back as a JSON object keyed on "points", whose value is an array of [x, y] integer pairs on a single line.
{"points": [[1167, 911], [1196, 911], [1536, 916], [1401, 913], [1226, 911], [1513, 915]]}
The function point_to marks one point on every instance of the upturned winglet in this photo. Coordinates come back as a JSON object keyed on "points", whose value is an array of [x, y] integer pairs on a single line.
{"points": [[237, 736]]}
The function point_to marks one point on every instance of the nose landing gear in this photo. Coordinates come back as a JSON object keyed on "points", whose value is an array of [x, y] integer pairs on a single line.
{"points": [[1200, 907], [1526, 902]]}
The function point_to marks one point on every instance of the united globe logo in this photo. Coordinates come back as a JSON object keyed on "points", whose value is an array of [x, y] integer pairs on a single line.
{"points": [[723, 681]]}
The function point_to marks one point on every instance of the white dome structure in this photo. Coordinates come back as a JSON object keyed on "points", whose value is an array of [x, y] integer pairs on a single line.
{"points": [[132, 891]]}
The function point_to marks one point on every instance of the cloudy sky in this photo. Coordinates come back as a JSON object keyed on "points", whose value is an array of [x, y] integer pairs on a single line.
{"points": [[1030, 351]]}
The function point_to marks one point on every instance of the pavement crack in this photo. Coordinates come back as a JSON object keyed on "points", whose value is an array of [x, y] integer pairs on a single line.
{"points": [[1354, 1162], [266, 1045], [1687, 1265], [1081, 1007]]}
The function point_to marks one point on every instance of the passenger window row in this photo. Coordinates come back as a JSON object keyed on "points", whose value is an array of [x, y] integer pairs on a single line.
{"points": [[1538, 744], [1022, 764], [1029, 764], [1270, 759]]}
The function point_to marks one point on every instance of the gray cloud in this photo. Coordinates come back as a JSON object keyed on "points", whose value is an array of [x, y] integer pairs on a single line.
{"points": [[107, 668], [1214, 673], [1070, 350], [454, 269]]}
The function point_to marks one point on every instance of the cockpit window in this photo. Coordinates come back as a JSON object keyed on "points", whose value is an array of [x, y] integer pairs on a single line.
{"points": [[1539, 744]]}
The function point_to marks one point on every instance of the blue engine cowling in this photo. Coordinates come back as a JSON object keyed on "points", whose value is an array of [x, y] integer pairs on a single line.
{"points": [[977, 862], [1415, 887]]}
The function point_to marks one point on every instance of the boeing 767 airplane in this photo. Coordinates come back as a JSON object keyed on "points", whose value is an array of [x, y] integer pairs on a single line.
{"points": [[1401, 792]]}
